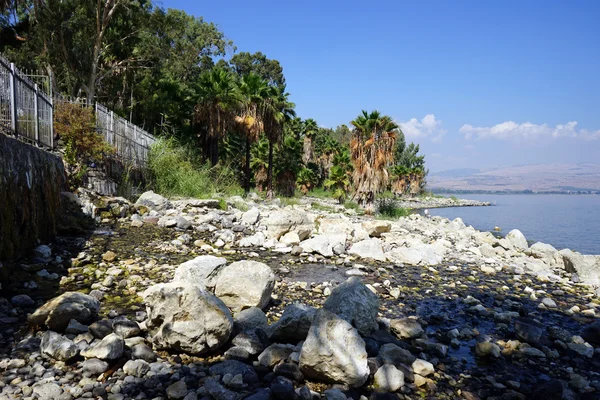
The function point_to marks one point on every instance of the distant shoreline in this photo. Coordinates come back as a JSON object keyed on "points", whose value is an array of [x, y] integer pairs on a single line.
{"points": [[513, 192]]}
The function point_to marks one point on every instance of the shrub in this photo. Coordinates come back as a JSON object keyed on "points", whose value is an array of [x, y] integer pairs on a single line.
{"points": [[175, 171], [76, 126], [387, 207]]}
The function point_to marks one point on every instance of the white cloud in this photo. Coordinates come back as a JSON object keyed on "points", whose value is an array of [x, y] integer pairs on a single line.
{"points": [[426, 127], [511, 130]]}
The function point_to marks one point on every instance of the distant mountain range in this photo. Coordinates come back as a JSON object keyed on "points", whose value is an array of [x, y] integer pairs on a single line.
{"points": [[559, 178]]}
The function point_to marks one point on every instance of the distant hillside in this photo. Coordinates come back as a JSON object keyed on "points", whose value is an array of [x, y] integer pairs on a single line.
{"points": [[536, 178]]}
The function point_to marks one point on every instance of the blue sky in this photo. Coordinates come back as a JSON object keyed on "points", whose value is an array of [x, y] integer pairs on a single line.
{"points": [[478, 84]]}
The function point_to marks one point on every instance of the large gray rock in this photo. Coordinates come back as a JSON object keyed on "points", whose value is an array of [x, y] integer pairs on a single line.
{"points": [[405, 255], [249, 319], [294, 324], [153, 201], [202, 270], [334, 351], [56, 313], [256, 240], [186, 317], [245, 284], [368, 248], [587, 267], [355, 303], [406, 328], [109, 348], [388, 379], [375, 228], [542, 250], [251, 216], [280, 222], [517, 239], [324, 244], [47, 390], [57, 346]]}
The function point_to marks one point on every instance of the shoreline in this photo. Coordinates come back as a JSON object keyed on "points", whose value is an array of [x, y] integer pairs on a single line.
{"points": [[431, 292]]}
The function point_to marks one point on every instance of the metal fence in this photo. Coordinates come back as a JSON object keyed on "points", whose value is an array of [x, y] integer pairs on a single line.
{"points": [[25, 110]]}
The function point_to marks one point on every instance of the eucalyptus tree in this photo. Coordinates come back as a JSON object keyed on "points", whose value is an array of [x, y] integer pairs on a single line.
{"points": [[371, 151], [218, 99]]}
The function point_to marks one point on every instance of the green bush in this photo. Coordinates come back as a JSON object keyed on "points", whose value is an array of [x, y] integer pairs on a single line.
{"points": [[388, 208], [176, 171]]}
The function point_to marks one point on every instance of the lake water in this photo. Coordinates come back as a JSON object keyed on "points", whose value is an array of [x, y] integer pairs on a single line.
{"points": [[564, 221]]}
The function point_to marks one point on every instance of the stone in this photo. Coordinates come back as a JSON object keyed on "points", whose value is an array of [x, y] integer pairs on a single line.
{"points": [[186, 317], [251, 216], [280, 222], [94, 366], [177, 390], [393, 354], [422, 367], [153, 201], [58, 312], [368, 248], [218, 392], [404, 255], [22, 300], [49, 390], [548, 302], [290, 238], [245, 284], [587, 267], [275, 353], [234, 367], [142, 351], [109, 256], [388, 379], [183, 223], [202, 270], [375, 228], [334, 351], [282, 388], [57, 346], [109, 348], [256, 240], [126, 328], [591, 333], [101, 329], [289, 370], [406, 328], [487, 349], [324, 244], [517, 239], [137, 368], [582, 349], [528, 330], [294, 324], [75, 327], [542, 250], [355, 303], [249, 319], [334, 394], [42, 251]]}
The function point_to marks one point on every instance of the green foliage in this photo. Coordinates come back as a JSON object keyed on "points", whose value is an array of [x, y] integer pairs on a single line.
{"points": [[454, 198], [321, 207], [306, 180], [176, 171], [76, 126], [338, 182], [388, 208]]}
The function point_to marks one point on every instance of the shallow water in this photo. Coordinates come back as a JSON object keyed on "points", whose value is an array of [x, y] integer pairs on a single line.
{"points": [[564, 221]]}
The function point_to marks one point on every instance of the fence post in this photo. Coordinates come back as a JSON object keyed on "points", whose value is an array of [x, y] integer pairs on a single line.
{"points": [[112, 128], [51, 99], [37, 117], [13, 99]]}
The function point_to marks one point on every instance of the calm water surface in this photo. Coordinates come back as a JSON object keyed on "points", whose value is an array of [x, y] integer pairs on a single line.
{"points": [[564, 221]]}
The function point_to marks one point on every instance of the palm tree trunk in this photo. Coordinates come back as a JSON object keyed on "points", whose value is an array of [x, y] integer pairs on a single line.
{"points": [[247, 168], [270, 172], [214, 151]]}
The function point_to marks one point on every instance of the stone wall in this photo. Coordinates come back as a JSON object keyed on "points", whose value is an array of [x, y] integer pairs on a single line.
{"points": [[31, 182]]}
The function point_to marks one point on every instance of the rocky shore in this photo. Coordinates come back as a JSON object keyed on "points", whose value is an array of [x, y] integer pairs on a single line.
{"points": [[185, 300], [439, 202]]}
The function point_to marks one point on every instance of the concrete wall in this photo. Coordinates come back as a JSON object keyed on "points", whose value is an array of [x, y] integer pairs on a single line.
{"points": [[31, 181]]}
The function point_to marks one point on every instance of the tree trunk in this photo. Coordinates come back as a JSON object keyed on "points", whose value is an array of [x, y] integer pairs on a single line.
{"points": [[307, 156], [247, 168], [270, 172], [214, 151]]}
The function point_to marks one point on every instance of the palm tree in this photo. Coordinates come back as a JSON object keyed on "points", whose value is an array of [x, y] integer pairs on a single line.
{"points": [[218, 96], [372, 151], [306, 180], [400, 184], [278, 111], [254, 91], [415, 178], [310, 130], [339, 182]]}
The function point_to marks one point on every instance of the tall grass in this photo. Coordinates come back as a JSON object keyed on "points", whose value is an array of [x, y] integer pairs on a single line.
{"points": [[388, 208], [176, 171]]}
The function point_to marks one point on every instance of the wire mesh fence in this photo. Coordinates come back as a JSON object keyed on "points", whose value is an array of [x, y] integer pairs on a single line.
{"points": [[26, 110]]}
